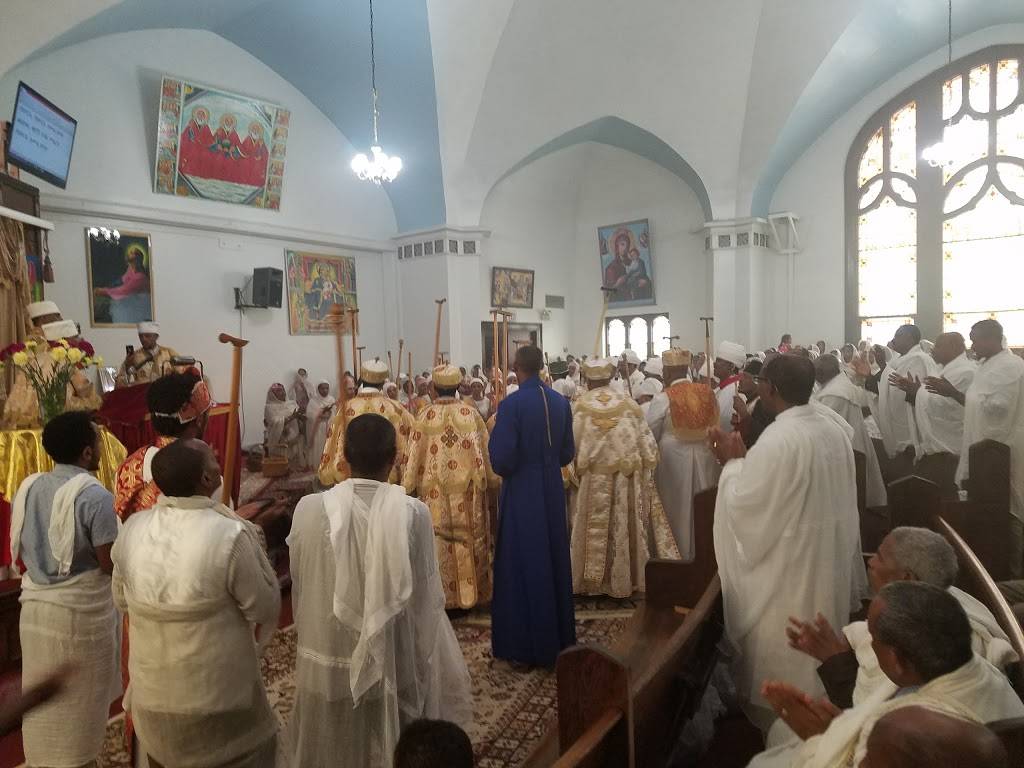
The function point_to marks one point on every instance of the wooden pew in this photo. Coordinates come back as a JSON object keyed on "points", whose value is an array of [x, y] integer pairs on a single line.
{"points": [[983, 520], [626, 706], [976, 580]]}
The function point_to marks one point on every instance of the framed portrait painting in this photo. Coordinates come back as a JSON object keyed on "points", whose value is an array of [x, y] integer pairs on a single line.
{"points": [[120, 279], [216, 145], [511, 287], [316, 282], [627, 263]]}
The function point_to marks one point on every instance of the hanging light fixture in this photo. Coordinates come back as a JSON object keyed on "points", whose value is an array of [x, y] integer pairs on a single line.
{"points": [[380, 167], [944, 152]]}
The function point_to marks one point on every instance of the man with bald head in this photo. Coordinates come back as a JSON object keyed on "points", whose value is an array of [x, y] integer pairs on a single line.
{"points": [[204, 602], [787, 531], [916, 737], [938, 432]]}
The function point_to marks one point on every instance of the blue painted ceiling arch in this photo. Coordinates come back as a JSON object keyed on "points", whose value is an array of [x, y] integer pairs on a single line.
{"points": [[616, 132], [322, 48], [885, 37]]}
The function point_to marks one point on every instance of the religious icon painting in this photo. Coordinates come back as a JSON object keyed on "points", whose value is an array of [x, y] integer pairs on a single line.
{"points": [[316, 282], [627, 263], [120, 279], [512, 287], [216, 145]]}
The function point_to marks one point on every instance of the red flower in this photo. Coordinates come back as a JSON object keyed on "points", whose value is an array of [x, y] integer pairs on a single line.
{"points": [[87, 348], [11, 349]]}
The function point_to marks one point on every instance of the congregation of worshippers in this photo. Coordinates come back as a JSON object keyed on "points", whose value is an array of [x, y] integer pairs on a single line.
{"points": [[468, 489], [500, 383]]}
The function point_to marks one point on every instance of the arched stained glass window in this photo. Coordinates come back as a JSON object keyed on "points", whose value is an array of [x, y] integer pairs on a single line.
{"points": [[956, 231], [638, 336]]}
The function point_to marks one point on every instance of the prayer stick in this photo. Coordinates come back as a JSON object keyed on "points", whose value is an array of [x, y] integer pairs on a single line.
{"points": [[437, 331], [336, 319], [398, 373], [354, 331], [359, 365], [410, 369], [707, 344], [494, 357], [231, 452], [390, 367]]}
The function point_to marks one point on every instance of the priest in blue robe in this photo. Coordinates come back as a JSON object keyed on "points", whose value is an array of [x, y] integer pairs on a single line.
{"points": [[532, 615]]}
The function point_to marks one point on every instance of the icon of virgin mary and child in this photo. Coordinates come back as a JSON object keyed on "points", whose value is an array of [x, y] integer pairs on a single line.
{"points": [[627, 272]]}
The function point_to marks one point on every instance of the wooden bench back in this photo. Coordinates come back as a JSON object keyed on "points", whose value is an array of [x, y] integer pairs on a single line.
{"points": [[616, 710]]}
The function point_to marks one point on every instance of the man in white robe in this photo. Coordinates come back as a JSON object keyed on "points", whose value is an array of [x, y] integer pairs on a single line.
{"points": [[375, 648], [629, 371], [787, 531], [895, 412], [939, 420], [730, 359], [63, 525], [680, 418], [839, 393], [203, 602], [849, 667], [994, 410], [923, 641]]}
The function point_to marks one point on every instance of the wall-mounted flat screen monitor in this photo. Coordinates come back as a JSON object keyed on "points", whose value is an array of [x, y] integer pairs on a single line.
{"points": [[41, 137]]}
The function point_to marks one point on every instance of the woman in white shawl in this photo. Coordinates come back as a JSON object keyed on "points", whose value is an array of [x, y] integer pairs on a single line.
{"points": [[281, 426], [318, 419]]}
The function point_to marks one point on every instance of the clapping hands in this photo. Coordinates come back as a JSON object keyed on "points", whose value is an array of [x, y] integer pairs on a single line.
{"points": [[815, 638], [805, 715]]}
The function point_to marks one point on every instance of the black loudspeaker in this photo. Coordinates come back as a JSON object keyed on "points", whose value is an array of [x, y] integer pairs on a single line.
{"points": [[267, 283]]}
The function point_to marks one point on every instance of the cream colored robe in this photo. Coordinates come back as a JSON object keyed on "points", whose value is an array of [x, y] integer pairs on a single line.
{"points": [[149, 371], [895, 414], [617, 522], [21, 410], [787, 540], [939, 420], [203, 602], [976, 691]]}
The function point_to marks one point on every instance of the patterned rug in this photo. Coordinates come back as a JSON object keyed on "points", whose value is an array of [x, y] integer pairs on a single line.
{"points": [[512, 709]]}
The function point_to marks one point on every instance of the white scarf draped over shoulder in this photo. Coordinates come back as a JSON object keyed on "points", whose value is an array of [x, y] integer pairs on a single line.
{"points": [[61, 533], [373, 580]]}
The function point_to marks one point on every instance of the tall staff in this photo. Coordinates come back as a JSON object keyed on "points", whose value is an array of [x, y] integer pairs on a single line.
{"points": [[505, 366], [231, 453], [359, 360], [707, 343], [336, 319], [495, 384], [353, 314], [398, 373], [437, 332]]}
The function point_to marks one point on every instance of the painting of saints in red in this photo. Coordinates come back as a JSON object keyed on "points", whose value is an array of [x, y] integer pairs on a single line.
{"points": [[196, 160]]}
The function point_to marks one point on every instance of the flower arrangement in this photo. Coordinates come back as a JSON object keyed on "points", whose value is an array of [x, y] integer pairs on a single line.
{"points": [[49, 368]]}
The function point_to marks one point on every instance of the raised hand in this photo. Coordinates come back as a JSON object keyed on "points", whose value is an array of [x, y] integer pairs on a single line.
{"points": [[817, 639], [805, 715], [726, 445]]}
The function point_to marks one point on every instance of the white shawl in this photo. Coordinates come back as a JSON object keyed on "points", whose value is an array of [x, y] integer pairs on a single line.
{"points": [[373, 581], [895, 414], [61, 532]]}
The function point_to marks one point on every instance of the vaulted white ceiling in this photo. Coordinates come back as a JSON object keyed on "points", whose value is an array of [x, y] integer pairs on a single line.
{"points": [[726, 93]]}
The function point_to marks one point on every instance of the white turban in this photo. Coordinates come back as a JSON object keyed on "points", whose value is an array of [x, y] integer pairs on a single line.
{"points": [[631, 357], [61, 329], [733, 352], [40, 308], [654, 366], [148, 327]]}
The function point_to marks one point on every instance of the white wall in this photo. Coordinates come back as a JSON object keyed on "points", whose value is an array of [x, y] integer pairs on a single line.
{"points": [[545, 217], [111, 85], [813, 189]]}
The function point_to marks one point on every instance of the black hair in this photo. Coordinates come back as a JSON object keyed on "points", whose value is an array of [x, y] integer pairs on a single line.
{"points": [[446, 391], [530, 359], [753, 367], [786, 339], [433, 744], [167, 395], [178, 467], [792, 376], [370, 443], [66, 437], [926, 626], [913, 330], [989, 328]]}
